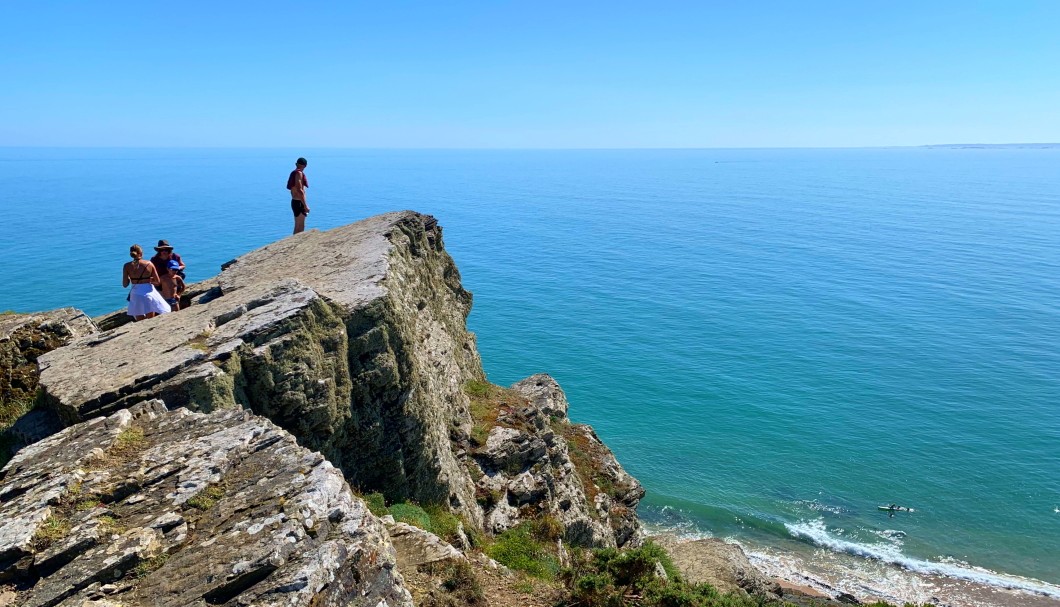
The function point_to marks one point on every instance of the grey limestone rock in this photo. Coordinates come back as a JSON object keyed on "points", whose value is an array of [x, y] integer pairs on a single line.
{"points": [[352, 339], [416, 547], [25, 337], [535, 462], [148, 506]]}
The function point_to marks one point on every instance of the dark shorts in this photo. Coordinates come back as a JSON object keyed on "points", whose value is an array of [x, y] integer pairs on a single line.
{"points": [[298, 207]]}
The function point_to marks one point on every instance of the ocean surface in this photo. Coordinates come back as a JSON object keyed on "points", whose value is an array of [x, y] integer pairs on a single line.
{"points": [[773, 341]]}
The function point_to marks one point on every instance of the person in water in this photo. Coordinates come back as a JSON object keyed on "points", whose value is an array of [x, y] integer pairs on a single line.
{"points": [[144, 300]]}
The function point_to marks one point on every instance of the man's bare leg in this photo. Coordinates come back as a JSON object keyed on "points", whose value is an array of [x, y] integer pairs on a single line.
{"points": [[299, 223]]}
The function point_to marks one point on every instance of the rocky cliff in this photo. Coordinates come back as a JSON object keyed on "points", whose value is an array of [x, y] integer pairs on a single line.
{"points": [[354, 342]]}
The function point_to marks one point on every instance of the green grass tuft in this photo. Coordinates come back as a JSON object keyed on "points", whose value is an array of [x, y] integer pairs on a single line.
{"points": [[443, 523], [129, 439], [518, 549], [376, 504], [478, 389], [53, 529], [412, 514]]}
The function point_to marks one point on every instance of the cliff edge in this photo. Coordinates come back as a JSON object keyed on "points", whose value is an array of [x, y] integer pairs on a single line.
{"points": [[354, 342]]}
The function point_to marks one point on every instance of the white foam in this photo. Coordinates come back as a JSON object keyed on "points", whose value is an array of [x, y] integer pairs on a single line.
{"points": [[890, 552]]}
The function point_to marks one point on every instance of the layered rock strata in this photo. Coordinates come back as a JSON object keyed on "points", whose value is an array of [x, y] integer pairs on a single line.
{"points": [[25, 337], [354, 340], [172, 508]]}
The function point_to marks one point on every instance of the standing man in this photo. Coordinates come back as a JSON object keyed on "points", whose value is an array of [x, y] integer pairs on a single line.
{"points": [[297, 183]]}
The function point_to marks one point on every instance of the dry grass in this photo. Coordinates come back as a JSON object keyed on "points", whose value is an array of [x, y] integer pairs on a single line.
{"points": [[53, 529], [206, 498], [146, 566], [199, 341], [493, 406], [443, 586], [129, 440]]}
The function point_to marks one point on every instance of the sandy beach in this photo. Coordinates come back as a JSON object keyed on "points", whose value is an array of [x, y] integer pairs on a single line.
{"points": [[824, 574], [830, 574]]}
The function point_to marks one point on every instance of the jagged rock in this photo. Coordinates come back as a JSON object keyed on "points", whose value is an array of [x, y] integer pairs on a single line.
{"points": [[416, 547], [718, 563], [544, 394], [171, 508], [25, 337], [537, 463], [352, 339], [511, 450]]}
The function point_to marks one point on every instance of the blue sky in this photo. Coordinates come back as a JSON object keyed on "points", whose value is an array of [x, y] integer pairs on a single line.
{"points": [[529, 74]]}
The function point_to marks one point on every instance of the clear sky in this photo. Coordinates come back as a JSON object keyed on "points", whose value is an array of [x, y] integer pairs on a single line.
{"points": [[529, 74]]}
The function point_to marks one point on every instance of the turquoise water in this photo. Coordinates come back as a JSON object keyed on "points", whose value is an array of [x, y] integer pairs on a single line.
{"points": [[772, 341]]}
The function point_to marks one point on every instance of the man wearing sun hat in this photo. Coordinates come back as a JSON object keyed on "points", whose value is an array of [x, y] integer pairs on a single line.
{"points": [[163, 254]]}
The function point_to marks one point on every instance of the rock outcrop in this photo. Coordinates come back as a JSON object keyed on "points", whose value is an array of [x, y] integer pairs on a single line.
{"points": [[535, 462], [720, 564], [354, 342], [25, 337], [172, 508], [352, 339]]}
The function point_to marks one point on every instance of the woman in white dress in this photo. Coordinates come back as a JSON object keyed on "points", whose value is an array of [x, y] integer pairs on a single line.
{"points": [[144, 300]]}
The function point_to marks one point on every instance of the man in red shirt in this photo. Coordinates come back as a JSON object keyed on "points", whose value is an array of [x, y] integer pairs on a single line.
{"points": [[163, 253], [297, 183]]}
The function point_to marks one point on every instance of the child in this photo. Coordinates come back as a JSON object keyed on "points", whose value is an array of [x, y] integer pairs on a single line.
{"points": [[172, 284]]}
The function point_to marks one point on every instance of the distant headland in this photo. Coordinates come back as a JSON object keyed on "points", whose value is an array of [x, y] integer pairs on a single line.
{"points": [[992, 146]]}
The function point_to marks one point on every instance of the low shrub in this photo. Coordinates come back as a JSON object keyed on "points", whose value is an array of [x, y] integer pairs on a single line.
{"points": [[546, 528], [376, 504], [608, 577]]}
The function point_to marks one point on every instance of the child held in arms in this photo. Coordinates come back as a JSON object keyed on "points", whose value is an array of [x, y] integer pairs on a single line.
{"points": [[172, 284]]}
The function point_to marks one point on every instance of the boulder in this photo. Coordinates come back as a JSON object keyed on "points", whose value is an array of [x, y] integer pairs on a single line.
{"points": [[718, 563], [416, 547], [148, 506]]}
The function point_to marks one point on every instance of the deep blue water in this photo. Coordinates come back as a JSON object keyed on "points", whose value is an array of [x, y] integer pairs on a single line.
{"points": [[772, 341]]}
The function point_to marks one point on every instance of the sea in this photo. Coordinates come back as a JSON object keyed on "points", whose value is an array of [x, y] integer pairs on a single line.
{"points": [[773, 341]]}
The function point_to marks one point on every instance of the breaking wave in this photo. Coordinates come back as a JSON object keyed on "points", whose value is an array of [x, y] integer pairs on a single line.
{"points": [[890, 552]]}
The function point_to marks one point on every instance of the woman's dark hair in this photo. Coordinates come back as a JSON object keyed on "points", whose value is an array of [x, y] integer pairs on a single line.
{"points": [[136, 252], [301, 162]]}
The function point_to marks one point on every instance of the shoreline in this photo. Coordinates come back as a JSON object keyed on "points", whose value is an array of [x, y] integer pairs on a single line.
{"points": [[824, 573]]}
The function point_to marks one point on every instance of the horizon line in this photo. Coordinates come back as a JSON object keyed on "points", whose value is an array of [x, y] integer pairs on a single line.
{"points": [[534, 148]]}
